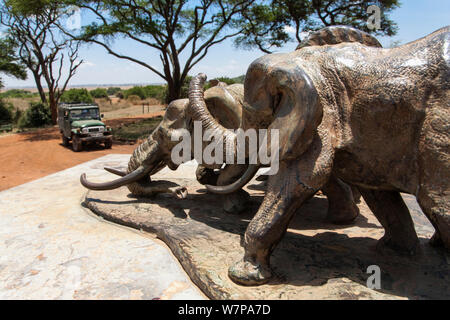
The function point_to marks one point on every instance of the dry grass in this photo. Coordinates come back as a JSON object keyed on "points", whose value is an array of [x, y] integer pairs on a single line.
{"points": [[22, 103], [106, 105], [132, 111]]}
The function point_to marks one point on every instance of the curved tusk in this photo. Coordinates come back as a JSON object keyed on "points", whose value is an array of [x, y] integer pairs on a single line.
{"points": [[129, 178], [242, 181], [115, 171]]}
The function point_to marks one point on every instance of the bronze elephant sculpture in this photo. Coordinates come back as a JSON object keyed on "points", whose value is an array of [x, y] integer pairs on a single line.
{"points": [[224, 103], [376, 118]]}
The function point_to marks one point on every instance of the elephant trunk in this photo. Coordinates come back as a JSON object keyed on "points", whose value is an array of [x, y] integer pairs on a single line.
{"points": [[146, 160], [198, 111]]}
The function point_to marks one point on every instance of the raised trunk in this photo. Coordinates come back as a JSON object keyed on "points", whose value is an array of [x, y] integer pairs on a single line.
{"points": [[198, 111]]}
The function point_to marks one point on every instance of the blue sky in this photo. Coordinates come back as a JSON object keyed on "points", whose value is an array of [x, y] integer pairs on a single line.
{"points": [[415, 19]]}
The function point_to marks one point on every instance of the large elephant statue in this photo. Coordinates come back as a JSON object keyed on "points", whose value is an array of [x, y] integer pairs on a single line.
{"points": [[375, 118]]}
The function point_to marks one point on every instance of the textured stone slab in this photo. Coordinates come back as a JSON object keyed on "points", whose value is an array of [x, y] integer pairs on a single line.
{"points": [[315, 260], [51, 247]]}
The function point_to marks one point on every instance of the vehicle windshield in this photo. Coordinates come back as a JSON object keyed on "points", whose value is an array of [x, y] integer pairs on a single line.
{"points": [[84, 114]]}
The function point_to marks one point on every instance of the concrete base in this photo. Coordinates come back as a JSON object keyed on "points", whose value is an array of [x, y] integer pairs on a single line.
{"points": [[51, 247], [315, 260]]}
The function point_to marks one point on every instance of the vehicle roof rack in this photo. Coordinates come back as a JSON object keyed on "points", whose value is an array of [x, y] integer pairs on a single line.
{"points": [[75, 105]]}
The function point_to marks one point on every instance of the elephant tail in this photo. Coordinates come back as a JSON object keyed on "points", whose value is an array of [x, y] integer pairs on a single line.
{"points": [[339, 34]]}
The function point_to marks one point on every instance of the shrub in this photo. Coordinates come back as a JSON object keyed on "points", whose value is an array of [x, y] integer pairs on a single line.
{"points": [[18, 93], [134, 99], [6, 112], [150, 91], [17, 115], [76, 96], [135, 91], [120, 95], [156, 92], [99, 93], [113, 91], [37, 115]]}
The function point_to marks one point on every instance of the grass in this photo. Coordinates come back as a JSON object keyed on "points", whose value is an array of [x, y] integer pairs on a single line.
{"points": [[136, 131], [22, 103]]}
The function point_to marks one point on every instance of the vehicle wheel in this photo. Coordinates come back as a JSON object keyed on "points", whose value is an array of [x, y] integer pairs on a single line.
{"points": [[65, 141], [76, 144], [108, 144]]}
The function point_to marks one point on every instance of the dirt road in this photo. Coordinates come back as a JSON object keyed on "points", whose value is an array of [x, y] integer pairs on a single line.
{"points": [[28, 156]]}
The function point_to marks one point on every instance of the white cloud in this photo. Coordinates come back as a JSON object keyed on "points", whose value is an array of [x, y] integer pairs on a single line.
{"points": [[290, 29], [86, 64]]}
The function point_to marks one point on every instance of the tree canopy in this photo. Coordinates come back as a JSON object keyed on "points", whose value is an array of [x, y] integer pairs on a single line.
{"points": [[270, 24], [182, 31], [9, 62], [42, 47]]}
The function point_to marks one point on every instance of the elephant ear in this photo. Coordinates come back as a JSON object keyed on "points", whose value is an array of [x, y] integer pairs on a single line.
{"points": [[225, 104], [297, 111]]}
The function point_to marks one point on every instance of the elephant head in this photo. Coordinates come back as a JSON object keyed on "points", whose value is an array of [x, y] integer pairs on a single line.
{"points": [[279, 95], [225, 105]]}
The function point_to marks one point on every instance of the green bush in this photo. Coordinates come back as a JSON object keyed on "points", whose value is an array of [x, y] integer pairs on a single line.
{"points": [[134, 99], [76, 96], [120, 95], [113, 91], [6, 112], [18, 93], [37, 115], [135, 91], [156, 92], [99, 93], [17, 115], [150, 91]]}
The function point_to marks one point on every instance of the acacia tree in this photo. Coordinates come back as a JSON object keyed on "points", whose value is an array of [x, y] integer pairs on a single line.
{"points": [[9, 62], [42, 47], [182, 31], [265, 23]]}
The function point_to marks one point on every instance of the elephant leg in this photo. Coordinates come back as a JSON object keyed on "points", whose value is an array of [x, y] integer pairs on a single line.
{"points": [[393, 214], [295, 182], [234, 202], [341, 205], [356, 194], [436, 206]]}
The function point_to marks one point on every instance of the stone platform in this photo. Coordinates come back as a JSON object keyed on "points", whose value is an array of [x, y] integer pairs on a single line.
{"points": [[315, 260], [51, 247]]}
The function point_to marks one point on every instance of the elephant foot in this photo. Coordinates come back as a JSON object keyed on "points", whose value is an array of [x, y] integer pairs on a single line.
{"points": [[249, 273], [342, 214], [387, 246], [236, 202]]}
